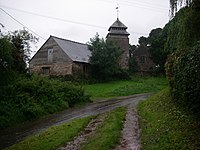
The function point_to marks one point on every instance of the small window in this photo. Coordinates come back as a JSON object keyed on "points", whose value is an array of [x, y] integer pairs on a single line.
{"points": [[45, 70], [50, 55]]}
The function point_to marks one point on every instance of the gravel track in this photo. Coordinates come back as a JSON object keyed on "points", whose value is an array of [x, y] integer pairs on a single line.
{"points": [[13, 135]]}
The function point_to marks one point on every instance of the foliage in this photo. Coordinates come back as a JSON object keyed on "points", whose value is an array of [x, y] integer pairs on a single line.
{"points": [[54, 137], [155, 42], [6, 61], [184, 76], [21, 40], [124, 88], [143, 40], [175, 3], [183, 34], [34, 96], [183, 30], [105, 59], [108, 134], [14, 54]]}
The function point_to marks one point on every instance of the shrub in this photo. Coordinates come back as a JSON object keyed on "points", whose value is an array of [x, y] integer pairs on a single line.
{"points": [[34, 96], [183, 72]]}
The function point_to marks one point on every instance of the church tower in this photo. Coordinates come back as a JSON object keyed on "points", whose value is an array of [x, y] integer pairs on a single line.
{"points": [[119, 35]]}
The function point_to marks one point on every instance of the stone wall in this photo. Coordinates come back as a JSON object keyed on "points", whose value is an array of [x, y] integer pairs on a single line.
{"points": [[123, 43], [60, 65], [143, 59], [55, 69], [81, 68]]}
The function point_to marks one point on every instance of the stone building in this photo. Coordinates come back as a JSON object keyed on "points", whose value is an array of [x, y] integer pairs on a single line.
{"points": [[143, 59], [60, 57], [119, 35]]}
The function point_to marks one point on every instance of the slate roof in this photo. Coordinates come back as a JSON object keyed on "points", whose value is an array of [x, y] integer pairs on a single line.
{"points": [[117, 28], [78, 52], [117, 24]]}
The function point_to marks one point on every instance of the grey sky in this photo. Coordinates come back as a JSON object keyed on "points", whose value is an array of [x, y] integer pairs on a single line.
{"points": [[79, 20]]}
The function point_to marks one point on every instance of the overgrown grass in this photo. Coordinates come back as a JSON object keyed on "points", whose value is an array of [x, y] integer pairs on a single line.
{"points": [[54, 137], [164, 126], [108, 134], [127, 87]]}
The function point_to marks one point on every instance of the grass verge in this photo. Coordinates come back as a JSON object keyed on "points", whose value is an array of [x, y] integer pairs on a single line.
{"points": [[54, 137], [127, 87], [108, 134], [164, 126]]}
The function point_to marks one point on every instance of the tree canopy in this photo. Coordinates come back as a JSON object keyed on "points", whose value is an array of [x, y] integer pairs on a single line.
{"points": [[175, 3], [105, 58], [14, 53]]}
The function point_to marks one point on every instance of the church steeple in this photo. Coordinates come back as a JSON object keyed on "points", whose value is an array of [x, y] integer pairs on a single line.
{"points": [[117, 28], [118, 34]]}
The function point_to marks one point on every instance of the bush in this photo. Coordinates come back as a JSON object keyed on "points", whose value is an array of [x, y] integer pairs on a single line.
{"points": [[35, 96], [183, 72]]}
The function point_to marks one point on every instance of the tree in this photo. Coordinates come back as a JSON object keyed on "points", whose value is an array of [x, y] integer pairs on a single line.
{"points": [[6, 60], [156, 43], [21, 41], [14, 53], [143, 40], [105, 58], [175, 3]]}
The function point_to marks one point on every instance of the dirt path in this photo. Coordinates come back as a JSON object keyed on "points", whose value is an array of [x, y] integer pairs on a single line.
{"points": [[90, 129], [130, 139], [13, 135]]}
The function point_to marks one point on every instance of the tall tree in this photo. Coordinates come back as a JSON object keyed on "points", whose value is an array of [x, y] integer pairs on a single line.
{"points": [[175, 3], [14, 53], [105, 58], [21, 41], [156, 42]]}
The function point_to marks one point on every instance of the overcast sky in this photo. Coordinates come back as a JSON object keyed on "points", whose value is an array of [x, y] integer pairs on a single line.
{"points": [[79, 20]]}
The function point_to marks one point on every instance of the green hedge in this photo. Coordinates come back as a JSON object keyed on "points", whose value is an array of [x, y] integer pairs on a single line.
{"points": [[35, 96], [183, 72]]}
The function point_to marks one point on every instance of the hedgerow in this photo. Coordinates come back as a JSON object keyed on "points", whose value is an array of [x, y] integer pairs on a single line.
{"points": [[183, 71], [35, 96]]}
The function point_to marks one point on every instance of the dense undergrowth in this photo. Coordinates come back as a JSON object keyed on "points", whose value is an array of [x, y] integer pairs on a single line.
{"points": [[166, 126], [31, 97]]}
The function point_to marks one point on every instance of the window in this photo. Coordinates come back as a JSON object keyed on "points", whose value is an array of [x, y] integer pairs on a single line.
{"points": [[45, 70], [50, 55]]}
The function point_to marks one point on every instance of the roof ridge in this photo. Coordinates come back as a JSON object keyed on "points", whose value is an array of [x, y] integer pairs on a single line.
{"points": [[67, 40]]}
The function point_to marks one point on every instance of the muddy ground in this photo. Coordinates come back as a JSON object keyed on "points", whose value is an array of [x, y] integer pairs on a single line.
{"points": [[13, 135]]}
